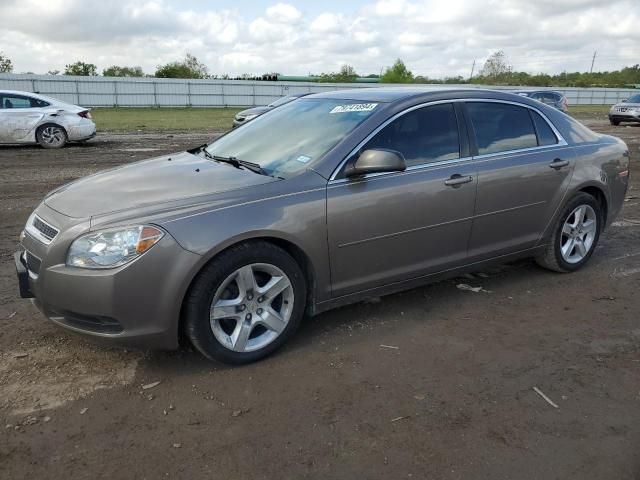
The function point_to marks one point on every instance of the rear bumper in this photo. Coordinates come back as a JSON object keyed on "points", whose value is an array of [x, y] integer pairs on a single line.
{"points": [[84, 131]]}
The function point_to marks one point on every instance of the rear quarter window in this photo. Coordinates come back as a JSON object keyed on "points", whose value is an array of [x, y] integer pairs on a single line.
{"points": [[545, 134], [37, 103]]}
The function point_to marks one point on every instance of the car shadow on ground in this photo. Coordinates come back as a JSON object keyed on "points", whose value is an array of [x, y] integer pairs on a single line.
{"points": [[395, 311], [69, 146]]}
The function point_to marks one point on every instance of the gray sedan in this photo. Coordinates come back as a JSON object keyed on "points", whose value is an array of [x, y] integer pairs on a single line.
{"points": [[322, 202], [555, 99], [247, 115]]}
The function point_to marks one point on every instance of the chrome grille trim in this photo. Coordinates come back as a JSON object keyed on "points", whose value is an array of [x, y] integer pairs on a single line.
{"points": [[41, 230]]}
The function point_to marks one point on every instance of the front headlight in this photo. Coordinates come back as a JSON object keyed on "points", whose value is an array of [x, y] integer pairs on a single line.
{"points": [[112, 248]]}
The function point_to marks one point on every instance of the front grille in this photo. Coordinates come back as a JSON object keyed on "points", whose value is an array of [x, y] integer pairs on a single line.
{"points": [[33, 263], [45, 229]]}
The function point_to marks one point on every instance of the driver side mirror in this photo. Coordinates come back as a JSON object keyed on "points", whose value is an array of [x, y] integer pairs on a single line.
{"points": [[375, 161]]}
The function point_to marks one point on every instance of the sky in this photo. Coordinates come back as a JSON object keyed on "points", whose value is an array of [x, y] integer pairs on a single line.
{"points": [[435, 38]]}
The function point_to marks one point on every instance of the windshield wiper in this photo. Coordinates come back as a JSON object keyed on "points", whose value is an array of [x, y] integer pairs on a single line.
{"points": [[236, 162]]}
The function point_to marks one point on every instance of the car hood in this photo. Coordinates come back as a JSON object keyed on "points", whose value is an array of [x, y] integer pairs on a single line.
{"points": [[253, 111], [154, 182], [629, 105]]}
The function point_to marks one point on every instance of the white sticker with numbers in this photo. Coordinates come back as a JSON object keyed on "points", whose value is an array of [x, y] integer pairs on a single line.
{"points": [[354, 107]]}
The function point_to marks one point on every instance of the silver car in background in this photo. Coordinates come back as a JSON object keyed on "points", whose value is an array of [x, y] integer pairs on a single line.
{"points": [[626, 111], [325, 201], [32, 118]]}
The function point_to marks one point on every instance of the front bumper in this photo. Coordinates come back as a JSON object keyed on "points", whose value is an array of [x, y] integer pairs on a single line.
{"points": [[624, 117], [137, 304], [23, 275]]}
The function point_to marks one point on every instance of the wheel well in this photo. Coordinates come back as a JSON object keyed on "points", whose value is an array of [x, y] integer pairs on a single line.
{"points": [[303, 261], [600, 197], [292, 249], [40, 127]]}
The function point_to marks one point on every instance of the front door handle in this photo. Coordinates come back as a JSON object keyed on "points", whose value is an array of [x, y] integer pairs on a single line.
{"points": [[456, 180], [558, 164]]}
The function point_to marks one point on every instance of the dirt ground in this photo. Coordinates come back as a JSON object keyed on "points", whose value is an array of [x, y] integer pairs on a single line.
{"points": [[433, 383]]}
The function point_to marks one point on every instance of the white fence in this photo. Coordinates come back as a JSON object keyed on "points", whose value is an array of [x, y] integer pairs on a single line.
{"points": [[164, 92]]}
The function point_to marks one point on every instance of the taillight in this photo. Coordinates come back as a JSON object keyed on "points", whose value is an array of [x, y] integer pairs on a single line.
{"points": [[85, 114]]}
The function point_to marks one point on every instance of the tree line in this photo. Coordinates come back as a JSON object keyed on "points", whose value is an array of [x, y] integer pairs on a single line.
{"points": [[495, 71]]}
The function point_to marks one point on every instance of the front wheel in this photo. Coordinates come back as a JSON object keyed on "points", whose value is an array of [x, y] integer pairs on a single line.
{"points": [[51, 136], [245, 303], [575, 235], [614, 122]]}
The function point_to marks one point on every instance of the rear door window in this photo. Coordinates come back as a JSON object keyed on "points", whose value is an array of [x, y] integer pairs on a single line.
{"points": [[501, 127], [15, 101], [424, 135]]}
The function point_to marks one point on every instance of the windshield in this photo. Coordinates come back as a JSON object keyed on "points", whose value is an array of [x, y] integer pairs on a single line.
{"points": [[633, 99], [288, 139], [282, 101]]}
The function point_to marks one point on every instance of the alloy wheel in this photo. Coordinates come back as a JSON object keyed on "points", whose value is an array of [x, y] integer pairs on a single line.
{"points": [[252, 307], [578, 234], [53, 135]]}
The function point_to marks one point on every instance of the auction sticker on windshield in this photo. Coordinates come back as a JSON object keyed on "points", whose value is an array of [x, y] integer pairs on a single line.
{"points": [[354, 107]]}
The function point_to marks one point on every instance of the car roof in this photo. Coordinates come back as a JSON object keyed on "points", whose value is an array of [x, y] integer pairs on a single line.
{"points": [[393, 94], [18, 92], [46, 98], [536, 91], [31, 94]]}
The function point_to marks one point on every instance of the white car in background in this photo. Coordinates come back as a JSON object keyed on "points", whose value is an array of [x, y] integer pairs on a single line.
{"points": [[27, 117]]}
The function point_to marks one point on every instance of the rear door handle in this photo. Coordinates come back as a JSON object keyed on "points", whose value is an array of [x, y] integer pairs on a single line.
{"points": [[558, 163], [456, 180]]}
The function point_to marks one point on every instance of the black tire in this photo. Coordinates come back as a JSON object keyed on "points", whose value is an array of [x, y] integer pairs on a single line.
{"points": [[46, 140], [614, 122], [551, 258], [200, 296]]}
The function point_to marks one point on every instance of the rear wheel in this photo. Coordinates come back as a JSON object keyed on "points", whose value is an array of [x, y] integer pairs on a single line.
{"points": [[575, 235], [246, 303], [51, 136]]}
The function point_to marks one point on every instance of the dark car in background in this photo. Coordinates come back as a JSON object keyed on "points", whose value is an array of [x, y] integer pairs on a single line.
{"points": [[626, 111], [246, 115], [554, 99], [328, 200]]}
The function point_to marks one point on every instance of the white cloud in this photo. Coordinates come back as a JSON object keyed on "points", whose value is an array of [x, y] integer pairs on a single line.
{"points": [[283, 13], [434, 37], [328, 23]]}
